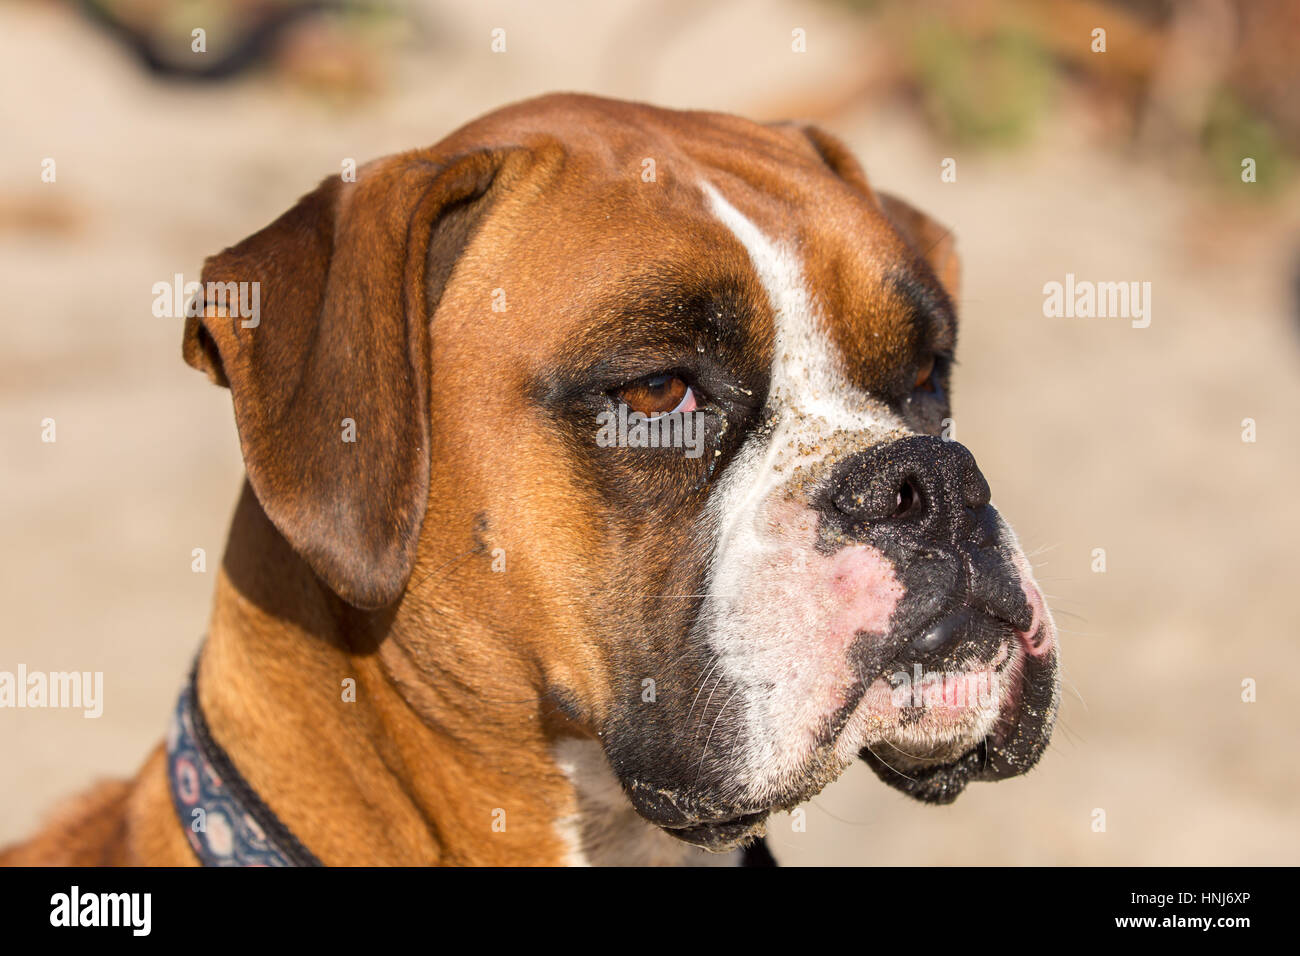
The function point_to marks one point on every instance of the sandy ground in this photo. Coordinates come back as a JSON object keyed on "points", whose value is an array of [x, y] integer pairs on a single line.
{"points": [[1093, 434]]}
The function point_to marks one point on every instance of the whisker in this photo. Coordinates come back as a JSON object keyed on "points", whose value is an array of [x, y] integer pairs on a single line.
{"points": [[705, 712], [853, 823], [1068, 613], [700, 769], [1041, 550], [1070, 685], [886, 763], [703, 680], [478, 548]]}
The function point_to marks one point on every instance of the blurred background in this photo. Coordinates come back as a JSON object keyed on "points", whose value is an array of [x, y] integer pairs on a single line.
{"points": [[1122, 165]]}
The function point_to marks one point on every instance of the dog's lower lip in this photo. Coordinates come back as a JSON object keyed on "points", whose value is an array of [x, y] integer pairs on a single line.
{"points": [[719, 833], [939, 782], [743, 818]]}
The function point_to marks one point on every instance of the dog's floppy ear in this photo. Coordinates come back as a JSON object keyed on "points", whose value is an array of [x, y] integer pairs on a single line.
{"points": [[834, 153], [329, 375], [932, 242]]}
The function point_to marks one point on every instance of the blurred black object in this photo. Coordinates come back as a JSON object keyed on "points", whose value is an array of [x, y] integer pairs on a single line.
{"points": [[255, 44]]}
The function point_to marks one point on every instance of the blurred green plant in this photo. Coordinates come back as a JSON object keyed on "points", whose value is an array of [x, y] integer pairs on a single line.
{"points": [[1234, 131], [988, 91]]}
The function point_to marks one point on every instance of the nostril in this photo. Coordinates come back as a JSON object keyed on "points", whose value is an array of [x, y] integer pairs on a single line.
{"points": [[908, 500]]}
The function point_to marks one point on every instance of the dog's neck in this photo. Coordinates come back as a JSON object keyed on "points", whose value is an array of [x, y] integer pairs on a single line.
{"points": [[407, 752]]}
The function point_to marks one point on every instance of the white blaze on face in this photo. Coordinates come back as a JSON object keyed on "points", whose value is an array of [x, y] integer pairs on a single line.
{"points": [[780, 616]]}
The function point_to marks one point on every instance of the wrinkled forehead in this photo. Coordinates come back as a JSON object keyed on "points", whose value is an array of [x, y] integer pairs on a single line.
{"points": [[846, 292], [735, 236]]}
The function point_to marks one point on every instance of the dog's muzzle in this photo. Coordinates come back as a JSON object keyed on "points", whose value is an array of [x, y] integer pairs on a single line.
{"points": [[971, 606]]}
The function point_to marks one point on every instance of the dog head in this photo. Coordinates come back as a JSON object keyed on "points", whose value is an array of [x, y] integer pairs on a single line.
{"points": [[808, 573]]}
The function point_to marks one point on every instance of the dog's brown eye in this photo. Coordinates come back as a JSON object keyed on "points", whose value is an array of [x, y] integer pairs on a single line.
{"points": [[925, 375], [658, 395]]}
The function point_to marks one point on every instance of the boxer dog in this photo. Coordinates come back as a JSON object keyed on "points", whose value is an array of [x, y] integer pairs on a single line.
{"points": [[452, 626]]}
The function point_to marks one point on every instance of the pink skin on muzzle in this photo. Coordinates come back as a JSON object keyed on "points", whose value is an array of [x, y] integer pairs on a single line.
{"points": [[1040, 638], [811, 608], [865, 589]]}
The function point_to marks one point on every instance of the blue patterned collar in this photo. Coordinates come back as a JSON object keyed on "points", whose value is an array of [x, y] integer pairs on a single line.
{"points": [[225, 821]]}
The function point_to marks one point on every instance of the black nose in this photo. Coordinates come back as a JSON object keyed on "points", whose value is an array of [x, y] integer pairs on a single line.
{"points": [[922, 484]]}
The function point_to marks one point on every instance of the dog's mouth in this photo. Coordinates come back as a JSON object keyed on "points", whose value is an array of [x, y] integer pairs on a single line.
{"points": [[986, 716], [1006, 743], [927, 741]]}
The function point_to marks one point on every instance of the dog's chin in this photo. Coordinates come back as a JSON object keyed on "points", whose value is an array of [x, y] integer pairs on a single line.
{"points": [[940, 781], [722, 835], [961, 747], [704, 819], [931, 780]]}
